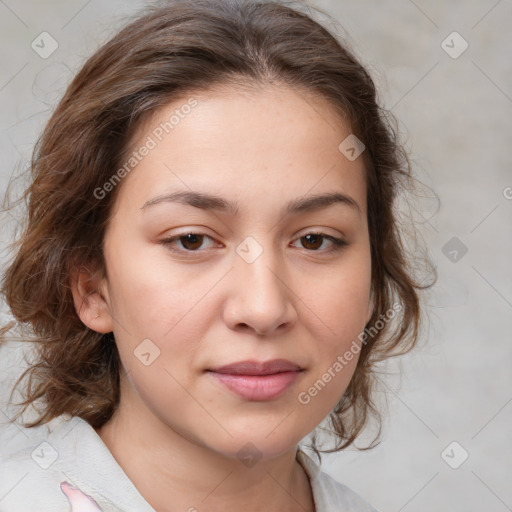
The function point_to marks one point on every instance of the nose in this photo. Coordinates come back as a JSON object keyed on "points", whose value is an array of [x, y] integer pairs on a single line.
{"points": [[260, 297]]}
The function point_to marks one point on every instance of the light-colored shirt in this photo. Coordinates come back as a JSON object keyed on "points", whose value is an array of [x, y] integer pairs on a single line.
{"points": [[65, 466]]}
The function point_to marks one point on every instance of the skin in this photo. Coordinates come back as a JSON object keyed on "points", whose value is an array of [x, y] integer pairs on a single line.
{"points": [[177, 431]]}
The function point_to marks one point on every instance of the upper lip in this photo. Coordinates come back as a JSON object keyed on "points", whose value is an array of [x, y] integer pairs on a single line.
{"points": [[252, 367]]}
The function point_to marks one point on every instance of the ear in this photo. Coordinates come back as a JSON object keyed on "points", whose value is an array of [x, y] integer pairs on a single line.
{"points": [[90, 296]]}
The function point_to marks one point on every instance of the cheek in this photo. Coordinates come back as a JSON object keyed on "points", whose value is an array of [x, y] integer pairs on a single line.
{"points": [[151, 297], [327, 383], [341, 305], [161, 315], [341, 301]]}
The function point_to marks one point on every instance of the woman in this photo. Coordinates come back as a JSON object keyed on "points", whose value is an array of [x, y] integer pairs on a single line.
{"points": [[211, 267]]}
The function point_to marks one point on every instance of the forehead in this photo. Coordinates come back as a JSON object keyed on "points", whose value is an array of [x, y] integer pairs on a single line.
{"points": [[264, 142]]}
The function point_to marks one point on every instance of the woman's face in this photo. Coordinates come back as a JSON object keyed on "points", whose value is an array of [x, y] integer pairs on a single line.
{"points": [[253, 281]]}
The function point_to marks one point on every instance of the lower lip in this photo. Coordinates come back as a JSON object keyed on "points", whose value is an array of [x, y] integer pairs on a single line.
{"points": [[257, 387]]}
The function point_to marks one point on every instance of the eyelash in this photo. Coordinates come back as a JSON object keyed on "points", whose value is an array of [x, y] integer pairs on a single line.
{"points": [[338, 244]]}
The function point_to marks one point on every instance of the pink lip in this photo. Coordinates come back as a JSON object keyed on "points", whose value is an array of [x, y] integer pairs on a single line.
{"points": [[257, 381]]}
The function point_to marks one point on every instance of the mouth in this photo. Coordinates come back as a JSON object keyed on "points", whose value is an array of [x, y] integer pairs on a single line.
{"points": [[257, 381]]}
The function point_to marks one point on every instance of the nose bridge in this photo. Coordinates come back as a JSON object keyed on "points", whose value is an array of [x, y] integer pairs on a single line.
{"points": [[259, 266], [260, 297]]}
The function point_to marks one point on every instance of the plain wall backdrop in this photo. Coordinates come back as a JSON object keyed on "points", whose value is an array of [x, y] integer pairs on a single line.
{"points": [[444, 69]]}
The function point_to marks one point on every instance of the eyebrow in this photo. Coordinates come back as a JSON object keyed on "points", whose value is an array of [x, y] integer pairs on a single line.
{"points": [[207, 201]]}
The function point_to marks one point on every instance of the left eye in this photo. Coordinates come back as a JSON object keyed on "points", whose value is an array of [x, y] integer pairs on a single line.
{"points": [[313, 239], [191, 242]]}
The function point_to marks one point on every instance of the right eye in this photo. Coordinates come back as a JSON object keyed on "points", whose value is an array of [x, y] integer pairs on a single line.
{"points": [[190, 242]]}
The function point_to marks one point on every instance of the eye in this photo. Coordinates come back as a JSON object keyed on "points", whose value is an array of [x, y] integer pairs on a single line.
{"points": [[314, 241], [190, 242]]}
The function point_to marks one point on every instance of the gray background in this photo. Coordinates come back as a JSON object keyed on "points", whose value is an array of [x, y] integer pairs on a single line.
{"points": [[455, 115]]}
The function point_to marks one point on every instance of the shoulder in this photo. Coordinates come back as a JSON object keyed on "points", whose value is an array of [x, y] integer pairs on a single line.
{"points": [[330, 495], [61, 466]]}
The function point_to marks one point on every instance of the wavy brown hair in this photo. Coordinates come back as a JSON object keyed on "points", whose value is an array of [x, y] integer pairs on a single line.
{"points": [[168, 49]]}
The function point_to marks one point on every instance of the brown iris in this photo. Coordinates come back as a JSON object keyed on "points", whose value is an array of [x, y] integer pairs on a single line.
{"points": [[313, 239], [195, 241]]}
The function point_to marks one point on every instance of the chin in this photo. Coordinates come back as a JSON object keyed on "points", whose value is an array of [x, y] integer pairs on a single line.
{"points": [[257, 442]]}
